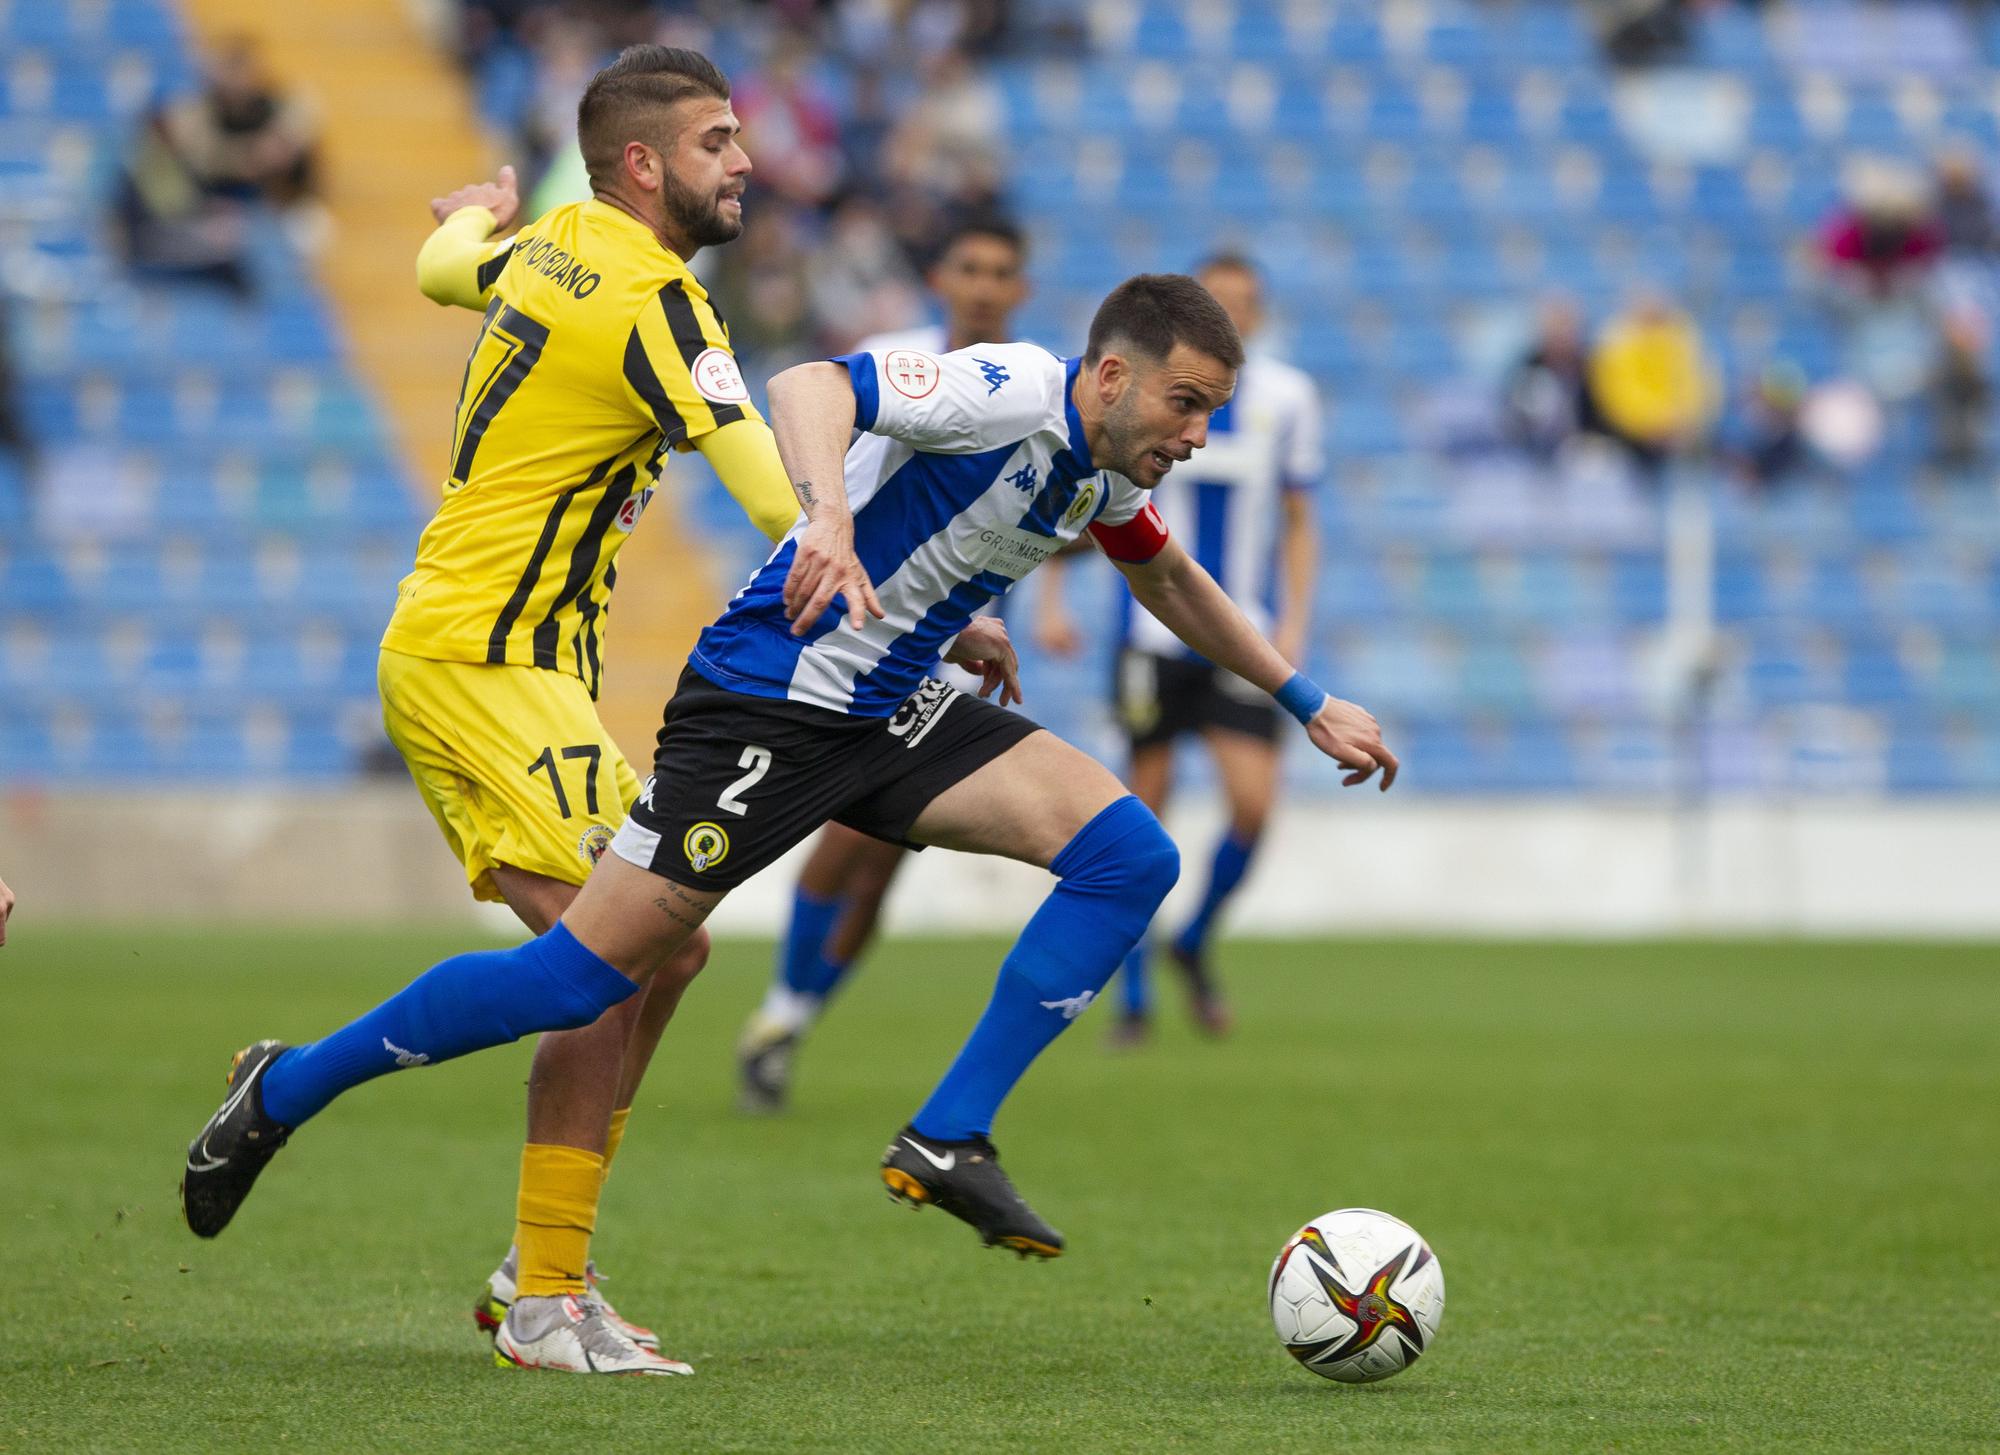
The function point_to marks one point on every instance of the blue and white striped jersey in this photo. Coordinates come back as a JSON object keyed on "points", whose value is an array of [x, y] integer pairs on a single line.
{"points": [[971, 471], [1224, 505]]}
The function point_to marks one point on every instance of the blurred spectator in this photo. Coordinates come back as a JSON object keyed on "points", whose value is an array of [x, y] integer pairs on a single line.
{"points": [[567, 54], [200, 161], [1650, 382], [793, 130], [242, 136], [760, 286], [948, 143], [861, 281], [14, 438], [1961, 393], [1644, 32], [167, 224], [1771, 446], [1881, 251], [1964, 208], [1885, 237], [1546, 399]]}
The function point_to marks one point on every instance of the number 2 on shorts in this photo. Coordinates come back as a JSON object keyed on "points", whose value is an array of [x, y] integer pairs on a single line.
{"points": [[758, 761]]}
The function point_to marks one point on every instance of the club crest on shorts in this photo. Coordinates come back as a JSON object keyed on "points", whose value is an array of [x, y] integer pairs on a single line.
{"points": [[706, 845], [596, 839]]}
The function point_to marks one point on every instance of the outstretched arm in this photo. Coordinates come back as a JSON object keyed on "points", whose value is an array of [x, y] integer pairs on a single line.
{"points": [[812, 415], [1185, 598], [459, 261]]}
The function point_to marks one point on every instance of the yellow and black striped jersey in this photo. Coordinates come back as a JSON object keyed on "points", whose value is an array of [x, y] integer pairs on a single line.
{"points": [[599, 352]]}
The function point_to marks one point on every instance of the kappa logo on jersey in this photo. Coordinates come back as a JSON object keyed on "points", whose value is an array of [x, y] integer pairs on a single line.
{"points": [[994, 376], [631, 510], [646, 792], [717, 379], [596, 839], [1023, 479], [706, 845], [1079, 508], [920, 711], [910, 373]]}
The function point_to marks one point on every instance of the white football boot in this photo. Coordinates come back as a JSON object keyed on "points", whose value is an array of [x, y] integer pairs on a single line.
{"points": [[502, 1289], [575, 1335]]}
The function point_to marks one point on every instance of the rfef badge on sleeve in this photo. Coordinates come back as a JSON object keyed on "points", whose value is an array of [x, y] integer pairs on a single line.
{"points": [[910, 373]]}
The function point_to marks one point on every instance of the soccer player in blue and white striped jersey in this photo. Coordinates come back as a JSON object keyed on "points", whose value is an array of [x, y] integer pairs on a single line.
{"points": [[979, 279], [811, 700]]}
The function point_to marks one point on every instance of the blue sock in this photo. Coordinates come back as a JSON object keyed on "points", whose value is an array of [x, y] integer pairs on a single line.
{"points": [[1136, 982], [1232, 861], [803, 966], [467, 1003], [1113, 874]]}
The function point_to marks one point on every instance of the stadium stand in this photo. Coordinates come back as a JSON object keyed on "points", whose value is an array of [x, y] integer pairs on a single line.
{"points": [[1413, 176], [195, 566]]}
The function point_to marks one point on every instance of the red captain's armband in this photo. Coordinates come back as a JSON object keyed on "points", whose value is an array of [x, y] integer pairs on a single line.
{"points": [[1137, 541]]}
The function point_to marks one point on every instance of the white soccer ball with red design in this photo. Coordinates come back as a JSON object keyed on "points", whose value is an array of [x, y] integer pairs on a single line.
{"points": [[1356, 1295]]}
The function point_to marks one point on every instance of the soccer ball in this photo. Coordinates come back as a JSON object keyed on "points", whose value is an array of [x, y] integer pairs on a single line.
{"points": [[1356, 1295]]}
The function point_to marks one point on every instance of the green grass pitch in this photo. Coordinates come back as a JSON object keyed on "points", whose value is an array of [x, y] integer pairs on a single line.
{"points": [[1688, 1196]]}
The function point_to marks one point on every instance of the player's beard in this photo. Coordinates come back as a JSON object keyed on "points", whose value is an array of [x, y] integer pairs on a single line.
{"points": [[696, 216], [1127, 435]]}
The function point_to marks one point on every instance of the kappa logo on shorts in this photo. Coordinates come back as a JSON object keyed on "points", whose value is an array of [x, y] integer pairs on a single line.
{"points": [[921, 710], [596, 839], [706, 845], [646, 791]]}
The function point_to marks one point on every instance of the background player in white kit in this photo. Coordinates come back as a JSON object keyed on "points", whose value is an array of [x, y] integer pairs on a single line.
{"points": [[1245, 510], [979, 280]]}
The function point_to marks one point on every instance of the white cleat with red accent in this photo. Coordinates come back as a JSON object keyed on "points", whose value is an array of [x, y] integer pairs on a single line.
{"points": [[502, 1289], [574, 1335]]}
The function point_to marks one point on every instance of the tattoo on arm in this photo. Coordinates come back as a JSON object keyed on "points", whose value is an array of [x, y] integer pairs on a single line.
{"points": [[804, 490]]}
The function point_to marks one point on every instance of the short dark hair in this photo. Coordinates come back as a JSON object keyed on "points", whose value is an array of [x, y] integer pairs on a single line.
{"points": [[1154, 311], [982, 224], [644, 78]]}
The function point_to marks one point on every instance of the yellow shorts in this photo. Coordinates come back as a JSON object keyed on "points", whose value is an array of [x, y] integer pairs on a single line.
{"points": [[512, 763]]}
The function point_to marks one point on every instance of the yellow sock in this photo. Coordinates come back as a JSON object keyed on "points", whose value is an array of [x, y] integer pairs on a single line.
{"points": [[614, 1136], [555, 1216]]}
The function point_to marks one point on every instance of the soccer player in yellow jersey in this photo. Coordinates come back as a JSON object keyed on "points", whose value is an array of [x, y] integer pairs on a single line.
{"points": [[599, 353]]}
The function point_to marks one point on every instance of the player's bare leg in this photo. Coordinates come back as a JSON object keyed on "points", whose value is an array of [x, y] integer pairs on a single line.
{"points": [[1248, 768], [845, 880], [1047, 804], [872, 866], [1150, 776], [580, 1085]]}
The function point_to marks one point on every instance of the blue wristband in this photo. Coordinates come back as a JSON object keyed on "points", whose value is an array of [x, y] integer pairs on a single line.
{"points": [[1301, 697]]}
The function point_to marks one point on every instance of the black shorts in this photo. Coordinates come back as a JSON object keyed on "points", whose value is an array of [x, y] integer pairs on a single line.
{"points": [[1162, 697], [738, 780]]}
